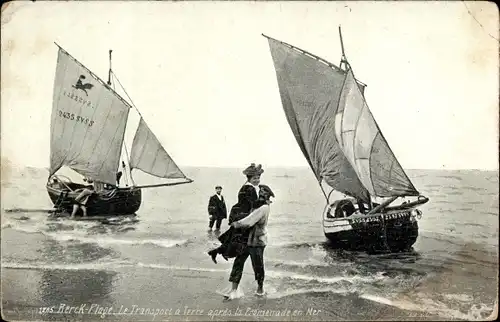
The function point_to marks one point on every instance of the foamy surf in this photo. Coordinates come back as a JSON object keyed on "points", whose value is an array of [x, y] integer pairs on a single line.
{"points": [[79, 232], [296, 245], [327, 280], [302, 264], [106, 241], [180, 268], [73, 267], [429, 304], [451, 247], [274, 293], [6, 224], [226, 293]]}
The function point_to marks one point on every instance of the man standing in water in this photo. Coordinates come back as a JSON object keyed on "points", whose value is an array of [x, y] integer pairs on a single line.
{"points": [[216, 209]]}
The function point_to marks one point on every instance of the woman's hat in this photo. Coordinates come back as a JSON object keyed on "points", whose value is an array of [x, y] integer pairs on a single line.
{"points": [[266, 191], [253, 170]]}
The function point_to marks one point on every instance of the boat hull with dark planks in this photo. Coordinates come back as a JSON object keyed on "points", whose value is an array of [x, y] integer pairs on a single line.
{"points": [[393, 230], [118, 202]]}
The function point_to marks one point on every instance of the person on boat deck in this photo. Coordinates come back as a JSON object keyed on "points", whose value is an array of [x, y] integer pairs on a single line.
{"points": [[366, 207], [56, 184], [216, 209], [344, 208], [361, 206], [256, 222], [118, 177], [235, 240]]}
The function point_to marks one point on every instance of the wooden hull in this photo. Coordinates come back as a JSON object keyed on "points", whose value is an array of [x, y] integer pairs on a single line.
{"points": [[391, 231], [121, 201]]}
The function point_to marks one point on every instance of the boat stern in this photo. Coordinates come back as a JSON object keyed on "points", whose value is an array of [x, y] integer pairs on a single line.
{"points": [[393, 230]]}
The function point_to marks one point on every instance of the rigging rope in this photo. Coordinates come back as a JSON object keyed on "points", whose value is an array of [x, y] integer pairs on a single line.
{"points": [[128, 175], [125, 91]]}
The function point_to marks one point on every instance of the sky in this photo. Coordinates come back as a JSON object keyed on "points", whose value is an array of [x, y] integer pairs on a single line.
{"points": [[202, 75]]}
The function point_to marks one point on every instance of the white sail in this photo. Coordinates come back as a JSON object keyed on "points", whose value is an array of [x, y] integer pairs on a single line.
{"points": [[149, 155], [88, 122]]}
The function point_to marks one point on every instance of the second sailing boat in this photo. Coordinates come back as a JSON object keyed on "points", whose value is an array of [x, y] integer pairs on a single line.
{"points": [[338, 135], [87, 135]]}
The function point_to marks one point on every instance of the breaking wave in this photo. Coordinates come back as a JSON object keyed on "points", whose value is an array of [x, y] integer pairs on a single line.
{"points": [[470, 312], [85, 232]]}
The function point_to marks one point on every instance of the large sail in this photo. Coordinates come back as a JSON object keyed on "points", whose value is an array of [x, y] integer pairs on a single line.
{"points": [[314, 94], [310, 91], [366, 148], [149, 156], [88, 122]]}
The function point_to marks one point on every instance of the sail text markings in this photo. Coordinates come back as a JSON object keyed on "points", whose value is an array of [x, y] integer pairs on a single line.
{"points": [[79, 86], [80, 119], [78, 98]]}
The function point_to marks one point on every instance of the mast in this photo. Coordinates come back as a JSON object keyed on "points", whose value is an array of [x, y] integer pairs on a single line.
{"points": [[324, 61], [345, 64], [128, 172], [109, 72], [343, 59]]}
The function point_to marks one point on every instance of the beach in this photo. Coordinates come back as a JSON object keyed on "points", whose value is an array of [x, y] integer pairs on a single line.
{"points": [[156, 294], [155, 267]]}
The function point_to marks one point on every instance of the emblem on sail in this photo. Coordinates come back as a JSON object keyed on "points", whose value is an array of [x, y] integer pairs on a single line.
{"points": [[88, 140], [83, 86]]}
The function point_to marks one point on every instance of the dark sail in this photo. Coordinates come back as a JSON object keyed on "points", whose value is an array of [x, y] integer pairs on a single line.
{"points": [[333, 126]]}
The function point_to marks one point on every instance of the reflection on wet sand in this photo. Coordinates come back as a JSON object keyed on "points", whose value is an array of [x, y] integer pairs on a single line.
{"points": [[62, 288], [67, 279], [76, 288]]}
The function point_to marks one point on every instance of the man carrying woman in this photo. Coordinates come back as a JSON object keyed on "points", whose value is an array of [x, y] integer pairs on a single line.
{"points": [[247, 237], [256, 224]]}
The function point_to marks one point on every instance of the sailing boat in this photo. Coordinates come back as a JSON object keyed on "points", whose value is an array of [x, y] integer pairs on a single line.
{"points": [[87, 135], [338, 135]]}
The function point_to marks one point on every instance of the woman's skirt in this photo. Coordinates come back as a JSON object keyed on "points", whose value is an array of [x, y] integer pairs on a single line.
{"points": [[234, 242]]}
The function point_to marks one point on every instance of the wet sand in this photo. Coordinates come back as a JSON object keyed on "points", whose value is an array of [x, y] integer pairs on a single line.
{"points": [[154, 295], [160, 262]]}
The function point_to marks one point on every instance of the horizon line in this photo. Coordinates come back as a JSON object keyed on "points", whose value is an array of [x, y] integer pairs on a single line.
{"points": [[181, 166]]}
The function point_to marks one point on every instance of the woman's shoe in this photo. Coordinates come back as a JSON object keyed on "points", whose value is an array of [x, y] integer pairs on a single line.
{"points": [[260, 294], [213, 254]]}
